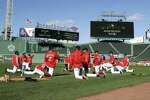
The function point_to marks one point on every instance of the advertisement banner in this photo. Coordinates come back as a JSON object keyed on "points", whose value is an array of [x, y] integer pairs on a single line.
{"points": [[26, 32]]}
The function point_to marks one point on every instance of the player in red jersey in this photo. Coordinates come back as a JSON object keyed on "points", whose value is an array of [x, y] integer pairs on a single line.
{"points": [[118, 67], [50, 60], [125, 61], [109, 65], [15, 62], [85, 60], [103, 59], [111, 58], [29, 58], [24, 61], [66, 62], [76, 63], [39, 69], [96, 64]]}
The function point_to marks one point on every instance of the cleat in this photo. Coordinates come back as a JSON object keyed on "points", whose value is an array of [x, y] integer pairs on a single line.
{"points": [[121, 72], [98, 75], [102, 74], [84, 77]]}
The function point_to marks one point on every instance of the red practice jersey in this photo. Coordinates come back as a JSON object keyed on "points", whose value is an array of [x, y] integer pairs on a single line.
{"points": [[24, 58], [111, 59], [96, 60], [40, 67], [51, 58], [118, 63], [85, 57], [125, 61], [103, 61], [66, 60], [15, 60], [76, 59], [29, 58]]}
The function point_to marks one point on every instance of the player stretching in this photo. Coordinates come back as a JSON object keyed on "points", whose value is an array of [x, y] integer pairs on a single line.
{"points": [[77, 63], [15, 62], [96, 65], [66, 62], [85, 60], [125, 61], [118, 67], [108, 66], [30, 57], [24, 61], [50, 60], [38, 69]]}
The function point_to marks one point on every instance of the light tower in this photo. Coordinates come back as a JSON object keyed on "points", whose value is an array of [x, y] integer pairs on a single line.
{"points": [[8, 20]]}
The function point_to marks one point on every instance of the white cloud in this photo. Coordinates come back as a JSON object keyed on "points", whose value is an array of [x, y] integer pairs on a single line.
{"points": [[135, 17]]}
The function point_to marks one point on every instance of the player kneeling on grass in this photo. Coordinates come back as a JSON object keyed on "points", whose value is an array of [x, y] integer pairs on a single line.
{"points": [[96, 64], [24, 61], [125, 61], [39, 69], [66, 62], [109, 65], [50, 60], [85, 60], [15, 63], [121, 67], [76, 63], [118, 67]]}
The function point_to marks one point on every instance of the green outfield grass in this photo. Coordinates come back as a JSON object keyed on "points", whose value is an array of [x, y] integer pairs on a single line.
{"points": [[63, 85]]}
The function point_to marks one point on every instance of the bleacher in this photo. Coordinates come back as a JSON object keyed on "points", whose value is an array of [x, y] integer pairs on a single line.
{"points": [[123, 48], [143, 54], [85, 46], [137, 48], [140, 51], [103, 48]]}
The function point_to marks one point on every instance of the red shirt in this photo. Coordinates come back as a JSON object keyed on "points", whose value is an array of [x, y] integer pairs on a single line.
{"points": [[111, 59], [125, 61], [96, 60], [76, 59], [85, 57], [24, 58], [118, 63], [30, 59], [40, 67], [51, 58], [66, 60], [15, 60], [103, 61]]}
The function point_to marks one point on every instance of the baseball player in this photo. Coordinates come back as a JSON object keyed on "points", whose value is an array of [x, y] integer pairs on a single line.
{"points": [[109, 65], [85, 57], [66, 62], [50, 60], [76, 63], [15, 63], [38, 69], [96, 65], [125, 61], [24, 61], [118, 67], [29, 58]]}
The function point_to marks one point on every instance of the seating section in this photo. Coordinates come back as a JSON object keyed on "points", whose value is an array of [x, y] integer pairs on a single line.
{"points": [[123, 48], [140, 51], [138, 48], [103, 48]]}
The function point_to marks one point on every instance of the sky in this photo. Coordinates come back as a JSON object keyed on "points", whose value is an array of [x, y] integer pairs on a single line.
{"points": [[76, 12]]}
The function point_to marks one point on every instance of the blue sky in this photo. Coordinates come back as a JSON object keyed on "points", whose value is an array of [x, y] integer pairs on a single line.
{"points": [[78, 12]]}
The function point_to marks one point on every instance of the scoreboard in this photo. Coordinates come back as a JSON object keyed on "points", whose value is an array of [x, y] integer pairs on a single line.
{"points": [[110, 29], [56, 34]]}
